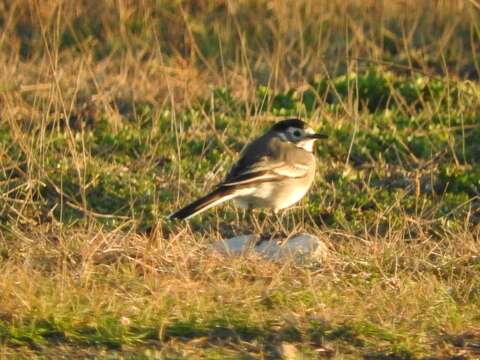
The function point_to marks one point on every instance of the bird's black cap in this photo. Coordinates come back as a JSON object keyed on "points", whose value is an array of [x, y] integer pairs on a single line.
{"points": [[285, 124]]}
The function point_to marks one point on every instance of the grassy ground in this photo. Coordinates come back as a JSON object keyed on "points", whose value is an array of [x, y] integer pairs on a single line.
{"points": [[115, 113]]}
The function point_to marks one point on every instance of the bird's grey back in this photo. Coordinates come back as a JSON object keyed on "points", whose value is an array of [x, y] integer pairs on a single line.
{"points": [[268, 149]]}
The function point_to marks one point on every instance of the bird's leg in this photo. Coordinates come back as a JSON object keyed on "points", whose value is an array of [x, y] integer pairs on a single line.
{"points": [[242, 218], [258, 227], [279, 219], [247, 217], [264, 221]]}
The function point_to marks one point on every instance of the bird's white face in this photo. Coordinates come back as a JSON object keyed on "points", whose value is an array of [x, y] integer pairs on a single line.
{"points": [[302, 138]]}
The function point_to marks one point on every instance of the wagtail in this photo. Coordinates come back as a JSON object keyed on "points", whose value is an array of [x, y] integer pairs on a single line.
{"points": [[274, 171]]}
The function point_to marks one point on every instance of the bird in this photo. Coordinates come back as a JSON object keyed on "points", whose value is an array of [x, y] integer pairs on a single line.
{"points": [[274, 171]]}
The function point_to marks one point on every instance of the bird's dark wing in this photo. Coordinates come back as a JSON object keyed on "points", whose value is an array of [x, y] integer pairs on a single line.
{"points": [[261, 161]]}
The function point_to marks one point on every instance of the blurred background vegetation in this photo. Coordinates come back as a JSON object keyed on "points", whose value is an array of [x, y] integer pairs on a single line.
{"points": [[138, 85]]}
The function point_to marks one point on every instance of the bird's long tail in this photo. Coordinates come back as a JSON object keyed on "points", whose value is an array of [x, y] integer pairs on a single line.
{"points": [[216, 197]]}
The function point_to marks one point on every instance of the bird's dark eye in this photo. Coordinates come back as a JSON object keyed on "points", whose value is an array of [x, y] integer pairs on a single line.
{"points": [[297, 133]]}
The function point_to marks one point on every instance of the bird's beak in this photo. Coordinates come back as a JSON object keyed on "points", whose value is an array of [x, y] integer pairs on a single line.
{"points": [[317, 136]]}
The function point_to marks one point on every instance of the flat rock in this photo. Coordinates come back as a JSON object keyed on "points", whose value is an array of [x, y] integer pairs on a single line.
{"points": [[301, 247]]}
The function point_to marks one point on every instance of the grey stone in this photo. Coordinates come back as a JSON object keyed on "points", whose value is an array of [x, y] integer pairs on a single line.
{"points": [[301, 247]]}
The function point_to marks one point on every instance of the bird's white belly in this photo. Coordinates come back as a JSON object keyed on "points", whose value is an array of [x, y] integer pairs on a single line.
{"points": [[259, 197], [294, 196], [273, 195]]}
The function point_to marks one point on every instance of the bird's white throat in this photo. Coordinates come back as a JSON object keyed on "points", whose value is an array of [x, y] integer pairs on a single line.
{"points": [[306, 144]]}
